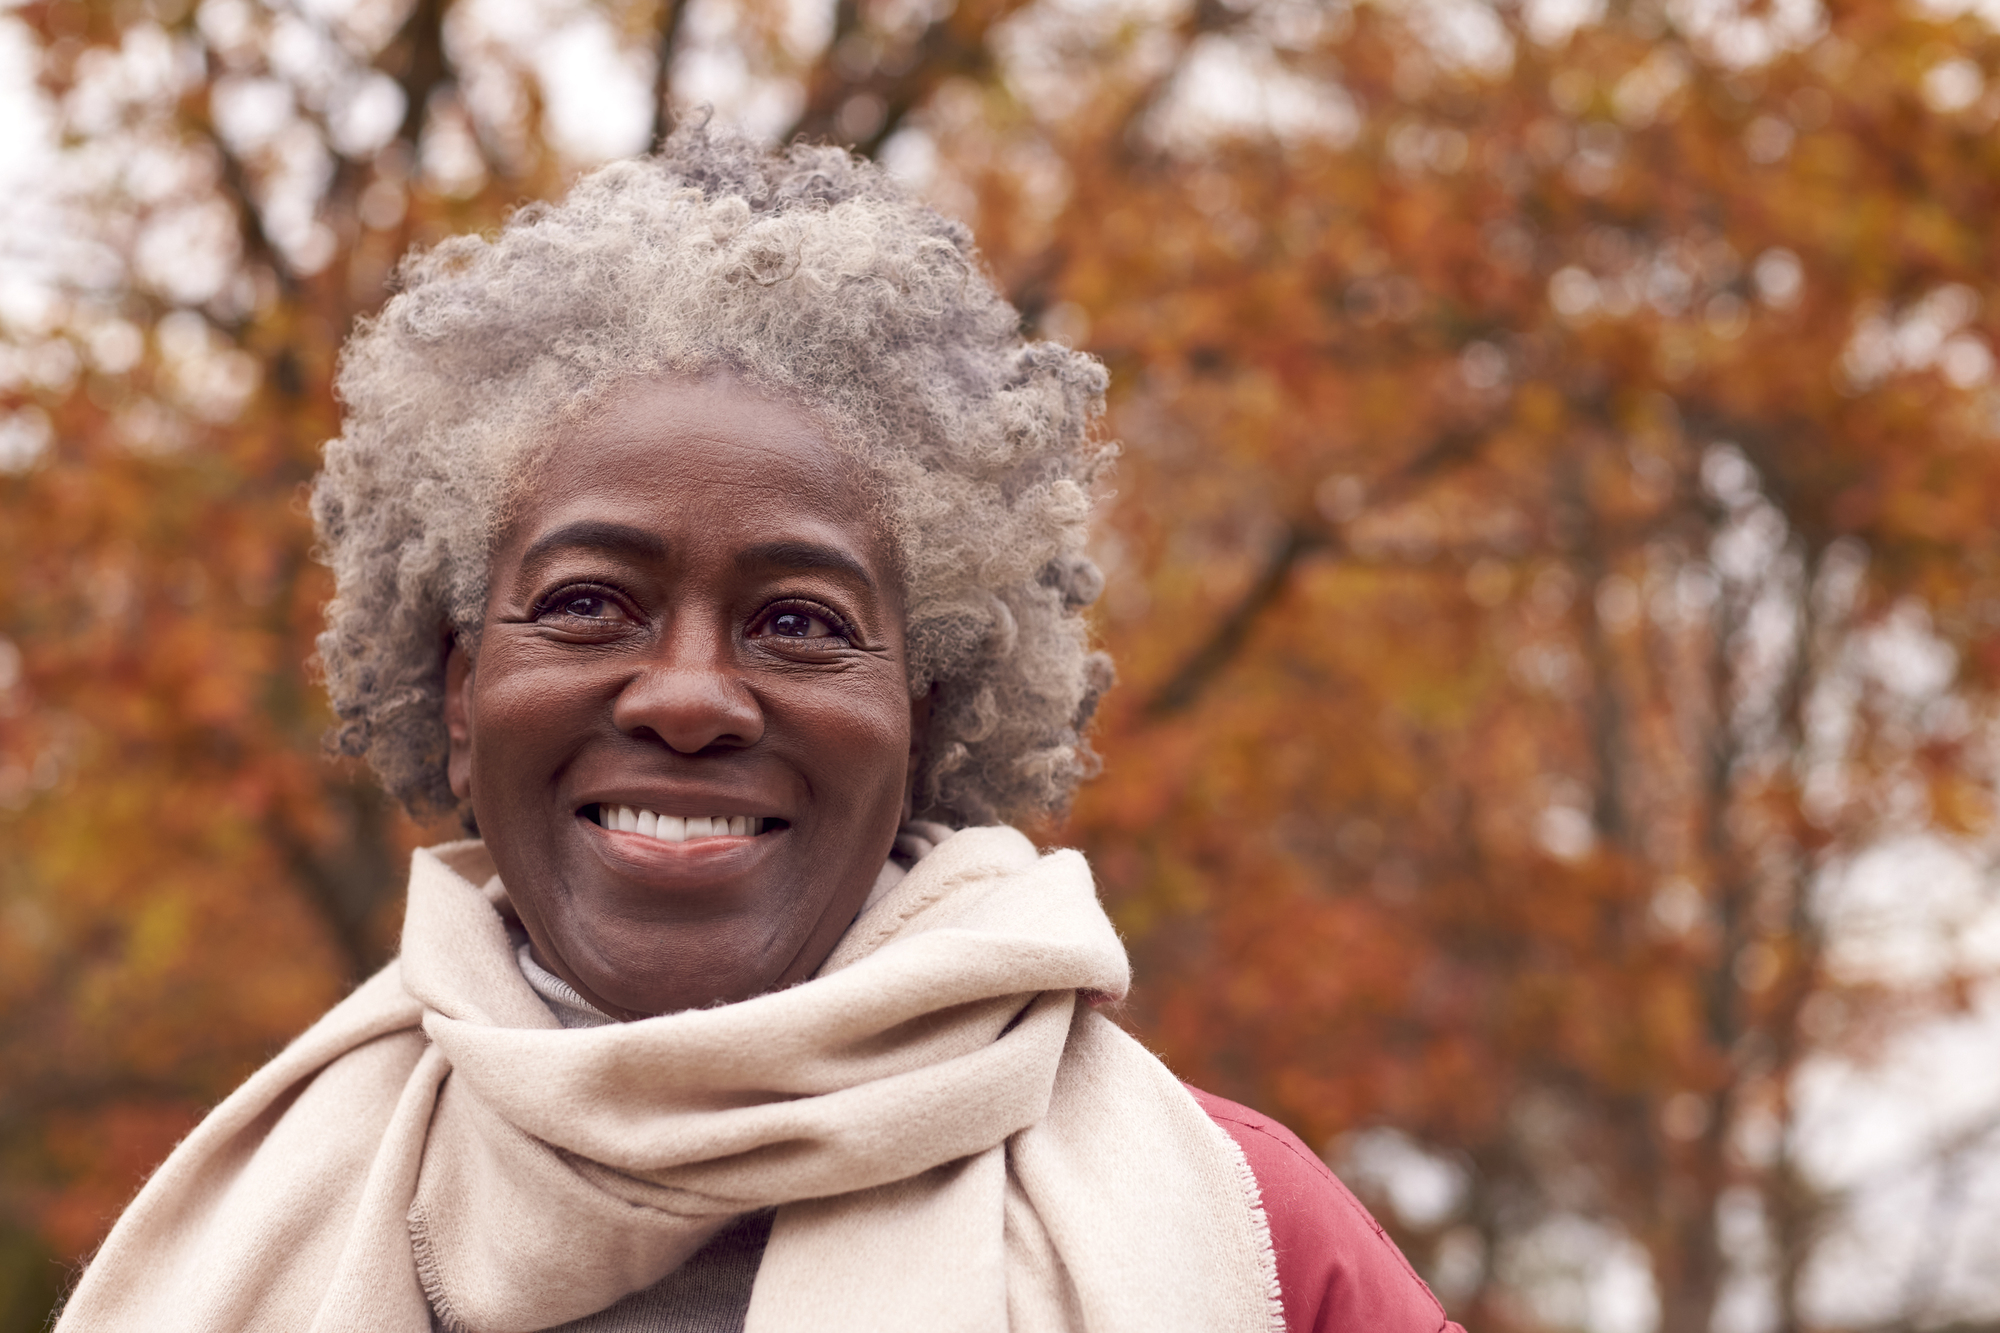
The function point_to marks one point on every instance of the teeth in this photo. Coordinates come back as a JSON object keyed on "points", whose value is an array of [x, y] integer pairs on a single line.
{"points": [[673, 828]]}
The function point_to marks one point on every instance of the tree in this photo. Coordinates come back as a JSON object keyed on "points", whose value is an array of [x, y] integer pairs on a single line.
{"points": [[1552, 453], [1547, 451]]}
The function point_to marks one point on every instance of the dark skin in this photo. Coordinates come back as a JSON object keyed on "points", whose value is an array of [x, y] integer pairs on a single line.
{"points": [[691, 614]]}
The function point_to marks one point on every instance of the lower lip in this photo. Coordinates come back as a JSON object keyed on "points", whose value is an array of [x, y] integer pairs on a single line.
{"points": [[700, 858]]}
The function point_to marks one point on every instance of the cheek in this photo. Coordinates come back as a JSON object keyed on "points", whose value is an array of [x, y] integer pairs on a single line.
{"points": [[858, 747], [521, 712]]}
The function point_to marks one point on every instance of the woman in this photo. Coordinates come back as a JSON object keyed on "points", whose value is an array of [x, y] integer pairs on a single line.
{"points": [[712, 544]]}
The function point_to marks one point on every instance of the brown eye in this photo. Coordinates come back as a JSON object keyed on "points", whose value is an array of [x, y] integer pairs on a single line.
{"points": [[803, 624], [799, 625], [582, 604]]}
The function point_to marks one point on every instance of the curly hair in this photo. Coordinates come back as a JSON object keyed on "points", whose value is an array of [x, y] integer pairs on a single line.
{"points": [[811, 276]]}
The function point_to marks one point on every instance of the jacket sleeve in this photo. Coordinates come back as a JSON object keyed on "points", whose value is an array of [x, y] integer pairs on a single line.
{"points": [[1337, 1269]]}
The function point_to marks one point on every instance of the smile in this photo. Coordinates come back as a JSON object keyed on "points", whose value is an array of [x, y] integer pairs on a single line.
{"points": [[676, 828]]}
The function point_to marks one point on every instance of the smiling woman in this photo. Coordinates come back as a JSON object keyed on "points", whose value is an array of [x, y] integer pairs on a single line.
{"points": [[694, 618], [712, 544]]}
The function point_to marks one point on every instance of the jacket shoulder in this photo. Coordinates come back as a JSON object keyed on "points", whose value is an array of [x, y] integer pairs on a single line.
{"points": [[1337, 1268]]}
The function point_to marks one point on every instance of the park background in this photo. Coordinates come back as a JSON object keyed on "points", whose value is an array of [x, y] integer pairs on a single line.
{"points": [[1552, 569]]}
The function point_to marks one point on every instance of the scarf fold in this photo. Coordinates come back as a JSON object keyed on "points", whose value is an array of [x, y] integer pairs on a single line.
{"points": [[951, 1140]]}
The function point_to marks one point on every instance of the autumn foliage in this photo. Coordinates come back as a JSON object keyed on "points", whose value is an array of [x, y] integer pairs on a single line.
{"points": [[1555, 537]]}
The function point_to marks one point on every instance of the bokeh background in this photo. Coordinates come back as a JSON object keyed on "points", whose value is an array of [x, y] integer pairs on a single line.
{"points": [[1553, 573]]}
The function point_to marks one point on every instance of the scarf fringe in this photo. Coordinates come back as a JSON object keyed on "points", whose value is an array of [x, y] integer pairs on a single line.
{"points": [[442, 1314], [1267, 1253]]}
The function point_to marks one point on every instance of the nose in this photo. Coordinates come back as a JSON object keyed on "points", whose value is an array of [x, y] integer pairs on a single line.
{"points": [[690, 694]]}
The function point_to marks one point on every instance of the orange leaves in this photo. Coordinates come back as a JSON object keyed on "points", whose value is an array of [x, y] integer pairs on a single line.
{"points": [[1516, 790], [105, 1155]]}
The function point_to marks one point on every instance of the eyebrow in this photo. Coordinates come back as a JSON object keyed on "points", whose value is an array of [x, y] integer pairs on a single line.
{"points": [[598, 535], [808, 555], [625, 539]]}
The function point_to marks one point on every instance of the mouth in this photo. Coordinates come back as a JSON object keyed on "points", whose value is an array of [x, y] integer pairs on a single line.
{"points": [[679, 828]]}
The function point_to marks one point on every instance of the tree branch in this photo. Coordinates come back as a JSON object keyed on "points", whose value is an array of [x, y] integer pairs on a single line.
{"points": [[236, 185], [952, 45], [1301, 538], [350, 879], [671, 14], [1203, 18], [1229, 636], [416, 60]]}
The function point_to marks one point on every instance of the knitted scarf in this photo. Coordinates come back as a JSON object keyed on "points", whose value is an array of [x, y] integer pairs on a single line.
{"points": [[952, 1136]]}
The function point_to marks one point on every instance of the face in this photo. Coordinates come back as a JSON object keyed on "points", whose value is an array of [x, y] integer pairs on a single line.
{"points": [[692, 618]]}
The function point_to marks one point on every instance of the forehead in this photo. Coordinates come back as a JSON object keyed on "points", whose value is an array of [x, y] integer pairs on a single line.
{"points": [[701, 462]]}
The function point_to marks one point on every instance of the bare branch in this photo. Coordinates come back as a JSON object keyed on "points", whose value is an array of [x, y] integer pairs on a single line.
{"points": [[950, 46], [671, 14], [416, 60], [1302, 537], [350, 880], [1229, 636], [1203, 18]]}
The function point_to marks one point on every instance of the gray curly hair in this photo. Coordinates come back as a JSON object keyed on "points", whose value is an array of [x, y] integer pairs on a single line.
{"points": [[810, 275]]}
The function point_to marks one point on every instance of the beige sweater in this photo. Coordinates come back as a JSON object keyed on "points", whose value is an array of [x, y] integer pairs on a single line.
{"points": [[949, 1133]]}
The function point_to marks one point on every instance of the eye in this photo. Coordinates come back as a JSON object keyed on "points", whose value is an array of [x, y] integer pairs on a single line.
{"points": [[802, 625], [586, 604], [799, 625]]}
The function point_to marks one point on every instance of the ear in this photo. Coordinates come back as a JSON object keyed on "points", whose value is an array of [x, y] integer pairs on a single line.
{"points": [[920, 740], [458, 718]]}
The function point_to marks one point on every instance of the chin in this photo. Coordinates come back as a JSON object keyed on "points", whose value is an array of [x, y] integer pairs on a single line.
{"points": [[685, 950]]}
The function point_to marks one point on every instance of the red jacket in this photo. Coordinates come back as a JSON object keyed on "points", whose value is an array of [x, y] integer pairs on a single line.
{"points": [[1339, 1272]]}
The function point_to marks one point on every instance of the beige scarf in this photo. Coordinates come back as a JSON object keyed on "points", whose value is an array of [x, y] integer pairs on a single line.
{"points": [[952, 1139]]}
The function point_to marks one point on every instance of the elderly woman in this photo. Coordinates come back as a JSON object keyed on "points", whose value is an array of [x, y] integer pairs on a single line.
{"points": [[713, 545]]}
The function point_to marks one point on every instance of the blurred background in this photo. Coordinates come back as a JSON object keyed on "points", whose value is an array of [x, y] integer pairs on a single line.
{"points": [[1553, 573]]}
